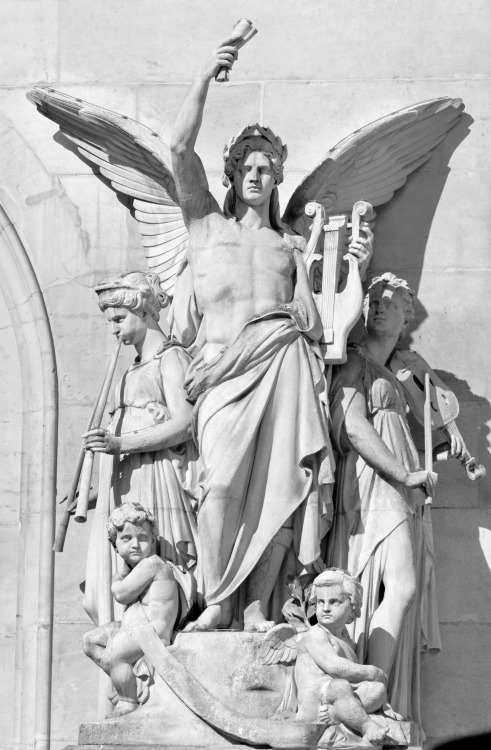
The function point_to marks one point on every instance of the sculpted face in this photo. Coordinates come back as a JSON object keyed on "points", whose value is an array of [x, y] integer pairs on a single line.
{"points": [[385, 313], [254, 179], [129, 326], [334, 609], [135, 543]]}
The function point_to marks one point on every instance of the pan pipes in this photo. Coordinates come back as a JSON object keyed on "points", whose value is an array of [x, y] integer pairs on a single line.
{"points": [[88, 461]]}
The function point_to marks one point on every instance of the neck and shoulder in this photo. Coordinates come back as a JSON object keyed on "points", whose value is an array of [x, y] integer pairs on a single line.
{"points": [[379, 348], [151, 342]]}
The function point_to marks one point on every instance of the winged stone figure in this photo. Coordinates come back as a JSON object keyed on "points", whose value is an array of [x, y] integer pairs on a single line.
{"points": [[325, 682], [373, 162], [243, 305]]}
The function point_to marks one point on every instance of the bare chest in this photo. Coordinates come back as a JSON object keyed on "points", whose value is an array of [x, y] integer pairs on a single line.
{"points": [[233, 263]]}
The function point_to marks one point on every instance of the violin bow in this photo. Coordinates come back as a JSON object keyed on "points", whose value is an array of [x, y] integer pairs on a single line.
{"points": [[427, 431]]}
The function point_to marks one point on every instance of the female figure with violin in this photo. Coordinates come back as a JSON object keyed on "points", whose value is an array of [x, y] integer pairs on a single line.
{"points": [[149, 457], [382, 529]]}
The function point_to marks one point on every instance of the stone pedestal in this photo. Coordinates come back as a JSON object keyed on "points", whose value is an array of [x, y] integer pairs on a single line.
{"points": [[227, 666]]}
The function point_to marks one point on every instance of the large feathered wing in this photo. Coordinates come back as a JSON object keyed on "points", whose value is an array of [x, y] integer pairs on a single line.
{"points": [[374, 161], [137, 164]]}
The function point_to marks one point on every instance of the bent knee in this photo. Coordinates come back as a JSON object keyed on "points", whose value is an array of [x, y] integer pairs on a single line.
{"points": [[106, 663], [337, 688], [89, 640], [378, 691]]}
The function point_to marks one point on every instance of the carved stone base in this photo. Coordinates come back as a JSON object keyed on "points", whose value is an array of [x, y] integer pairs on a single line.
{"points": [[233, 683]]}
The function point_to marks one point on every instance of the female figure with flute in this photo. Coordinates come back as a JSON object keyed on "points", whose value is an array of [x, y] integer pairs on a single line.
{"points": [[148, 456], [382, 529]]}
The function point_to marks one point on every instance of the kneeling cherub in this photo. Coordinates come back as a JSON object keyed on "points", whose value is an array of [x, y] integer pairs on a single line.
{"points": [[147, 588], [331, 686]]}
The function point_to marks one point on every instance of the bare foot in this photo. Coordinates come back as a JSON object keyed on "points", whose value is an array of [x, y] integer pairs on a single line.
{"points": [[373, 732], [390, 713], [209, 619], [124, 707], [325, 715], [254, 620]]}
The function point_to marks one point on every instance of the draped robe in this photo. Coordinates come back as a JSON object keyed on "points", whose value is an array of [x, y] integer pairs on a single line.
{"points": [[368, 507], [165, 481], [262, 431]]}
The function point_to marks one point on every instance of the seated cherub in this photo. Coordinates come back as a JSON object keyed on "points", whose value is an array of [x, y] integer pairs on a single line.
{"points": [[147, 588], [331, 686]]}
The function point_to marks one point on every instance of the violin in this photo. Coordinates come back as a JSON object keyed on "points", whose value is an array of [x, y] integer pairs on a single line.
{"points": [[338, 310], [411, 371]]}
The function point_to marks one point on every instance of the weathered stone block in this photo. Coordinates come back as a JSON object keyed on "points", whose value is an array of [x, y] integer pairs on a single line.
{"points": [[228, 110], [458, 550], [8, 566], [7, 660], [462, 669], [75, 676], [334, 109], [228, 666], [421, 225], [28, 38], [298, 52], [449, 300]]}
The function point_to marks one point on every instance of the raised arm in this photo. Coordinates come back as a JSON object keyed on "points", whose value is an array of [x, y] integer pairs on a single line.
{"points": [[191, 182]]}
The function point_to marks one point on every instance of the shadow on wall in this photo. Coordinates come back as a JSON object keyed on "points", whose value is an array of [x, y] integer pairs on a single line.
{"points": [[403, 225], [402, 230]]}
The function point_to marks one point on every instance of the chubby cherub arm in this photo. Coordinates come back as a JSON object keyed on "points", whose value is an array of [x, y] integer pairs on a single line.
{"points": [[192, 185], [367, 442], [127, 590], [337, 666]]}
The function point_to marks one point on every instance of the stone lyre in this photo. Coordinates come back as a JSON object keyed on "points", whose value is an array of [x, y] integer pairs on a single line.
{"points": [[339, 310]]}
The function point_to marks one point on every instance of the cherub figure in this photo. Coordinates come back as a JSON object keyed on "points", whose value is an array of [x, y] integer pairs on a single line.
{"points": [[148, 590], [332, 687]]}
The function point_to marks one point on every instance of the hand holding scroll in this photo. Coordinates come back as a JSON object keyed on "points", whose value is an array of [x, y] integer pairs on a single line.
{"points": [[224, 56]]}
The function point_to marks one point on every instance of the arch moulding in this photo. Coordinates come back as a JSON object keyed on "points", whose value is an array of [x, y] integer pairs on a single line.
{"points": [[29, 199]]}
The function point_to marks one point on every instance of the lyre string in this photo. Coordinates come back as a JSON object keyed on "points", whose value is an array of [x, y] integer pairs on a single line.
{"points": [[329, 275]]}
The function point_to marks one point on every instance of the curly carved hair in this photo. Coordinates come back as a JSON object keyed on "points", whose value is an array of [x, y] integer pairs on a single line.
{"points": [[338, 577], [255, 138], [136, 291], [132, 512], [388, 279]]}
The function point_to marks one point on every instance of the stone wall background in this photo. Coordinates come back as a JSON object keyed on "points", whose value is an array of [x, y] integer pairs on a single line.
{"points": [[315, 72]]}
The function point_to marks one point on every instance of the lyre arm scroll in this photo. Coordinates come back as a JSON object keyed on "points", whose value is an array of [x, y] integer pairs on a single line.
{"points": [[318, 213], [364, 210]]}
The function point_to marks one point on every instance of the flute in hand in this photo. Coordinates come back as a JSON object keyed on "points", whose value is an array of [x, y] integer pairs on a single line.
{"points": [[70, 500], [88, 461]]}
